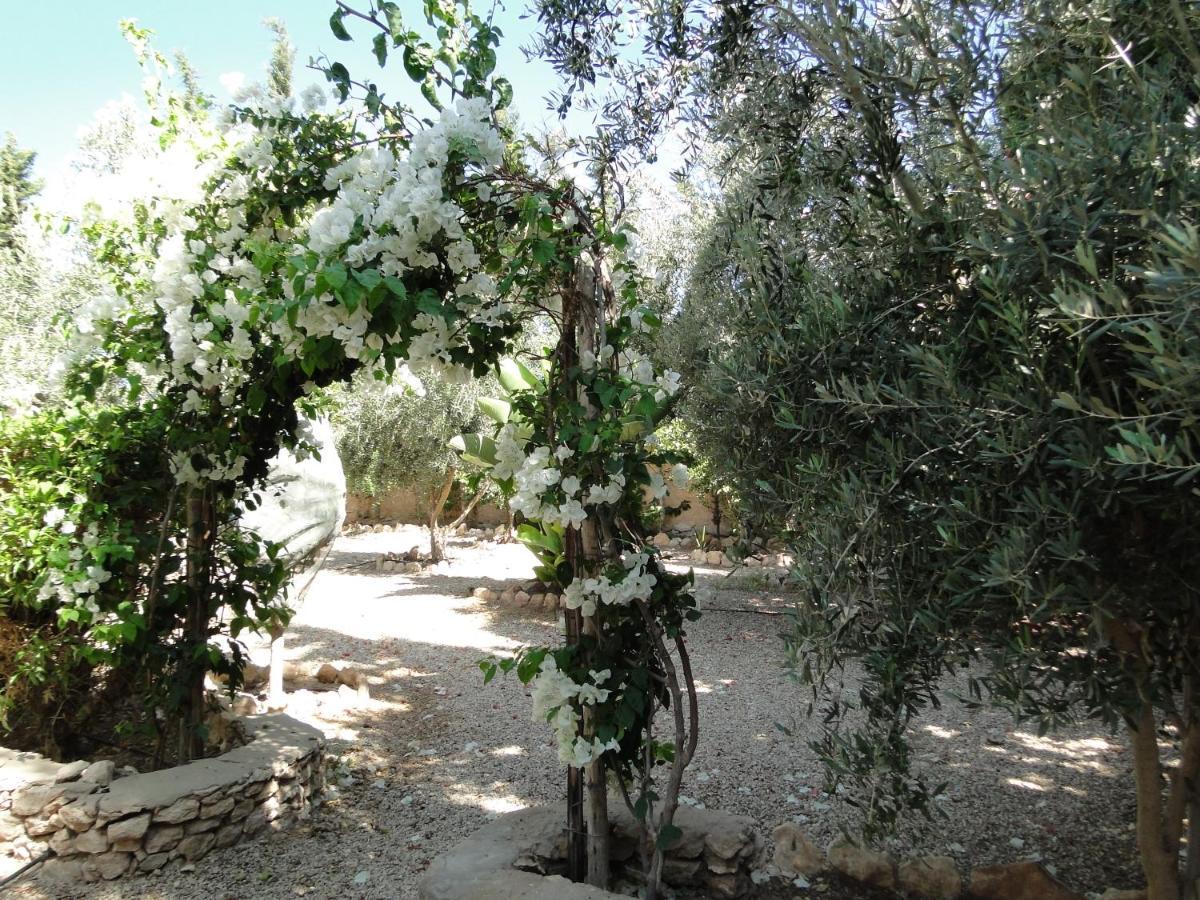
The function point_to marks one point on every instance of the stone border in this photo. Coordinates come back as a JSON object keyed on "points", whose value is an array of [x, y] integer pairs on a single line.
{"points": [[510, 856], [97, 828]]}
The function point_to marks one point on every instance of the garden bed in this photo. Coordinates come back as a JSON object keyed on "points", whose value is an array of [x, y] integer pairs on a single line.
{"points": [[91, 826]]}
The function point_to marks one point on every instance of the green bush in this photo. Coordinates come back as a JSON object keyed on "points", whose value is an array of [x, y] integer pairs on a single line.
{"points": [[93, 617], [953, 305]]}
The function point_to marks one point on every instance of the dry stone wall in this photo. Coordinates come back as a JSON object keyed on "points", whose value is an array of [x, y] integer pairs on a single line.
{"points": [[96, 826]]}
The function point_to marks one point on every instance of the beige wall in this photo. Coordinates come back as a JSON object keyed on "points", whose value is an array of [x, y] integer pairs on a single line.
{"points": [[409, 507]]}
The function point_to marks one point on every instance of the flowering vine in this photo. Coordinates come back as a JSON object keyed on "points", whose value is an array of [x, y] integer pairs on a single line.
{"points": [[304, 245]]}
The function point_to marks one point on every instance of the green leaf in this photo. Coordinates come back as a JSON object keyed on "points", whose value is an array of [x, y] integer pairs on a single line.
{"points": [[379, 43], [503, 90], [476, 449], [415, 64], [544, 251], [368, 278], [514, 376], [429, 92], [336, 26], [335, 275], [667, 836], [496, 410]]}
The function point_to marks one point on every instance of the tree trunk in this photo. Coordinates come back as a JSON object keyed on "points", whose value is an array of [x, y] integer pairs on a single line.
{"points": [[437, 551], [598, 832], [199, 554], [1160, 865], [276, 698], [462, 516], [1191, 885]]}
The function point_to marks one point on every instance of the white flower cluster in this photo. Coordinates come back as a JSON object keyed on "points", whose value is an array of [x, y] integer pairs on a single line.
{"points": [[555, 697], [392, 212], [224, 467], [587, 594], [636, 367], [77, 584]]}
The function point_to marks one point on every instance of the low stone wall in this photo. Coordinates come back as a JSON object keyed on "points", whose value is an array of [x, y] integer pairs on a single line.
{"points": [[521, 855], [100, 827]]}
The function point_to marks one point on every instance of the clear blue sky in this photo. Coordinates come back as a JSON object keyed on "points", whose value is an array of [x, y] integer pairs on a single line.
{"points": [[62, 61]]}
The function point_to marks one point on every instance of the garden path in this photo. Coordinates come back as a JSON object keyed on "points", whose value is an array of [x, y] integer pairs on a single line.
{"points": [[435, 755]]}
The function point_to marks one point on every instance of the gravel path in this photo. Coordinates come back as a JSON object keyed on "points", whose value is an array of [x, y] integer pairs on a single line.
{"points": [[435, 755]]}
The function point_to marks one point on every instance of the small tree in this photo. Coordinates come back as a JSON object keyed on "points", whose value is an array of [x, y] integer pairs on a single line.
{"points": [[393, 438]]}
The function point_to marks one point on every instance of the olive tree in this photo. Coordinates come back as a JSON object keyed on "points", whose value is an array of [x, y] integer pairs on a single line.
{"points": [[391, 437], [952, 301]]}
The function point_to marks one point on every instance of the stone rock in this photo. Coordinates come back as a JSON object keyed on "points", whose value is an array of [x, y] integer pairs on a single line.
{"points": [[507, 595], [62, 871], [1018, 881], [752, 562], [550, 602], [40, 826], [182, 810], [244, 704], [932, 877], [92, 841], [411, 568], [112, 865], [228, 835], [163, 837], [536, 600], [521, 598], [389, 565], [62, 843], [153, 862], [868, 866], [201, 825], [11, 826], [253, 676], [327, 674], [132, 828], [218, 807], [729, 887], [352, 677], [33, 800], [195, 846], [1119, 894], [100, 773], [729, 838], [683, 872], [71, 771], [714, 557], [795, 854], [242, 809], [662, 539]]}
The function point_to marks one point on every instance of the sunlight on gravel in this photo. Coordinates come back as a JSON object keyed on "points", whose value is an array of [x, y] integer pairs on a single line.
{"points": [[434, 755]]}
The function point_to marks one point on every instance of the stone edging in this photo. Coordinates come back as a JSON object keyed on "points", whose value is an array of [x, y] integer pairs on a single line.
{"points": [[717, 850], [101, 829]]}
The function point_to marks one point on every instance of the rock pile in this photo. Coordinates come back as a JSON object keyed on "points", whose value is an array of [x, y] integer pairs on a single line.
{"points": [[533, 597], [97, 827], [926, 877]]}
